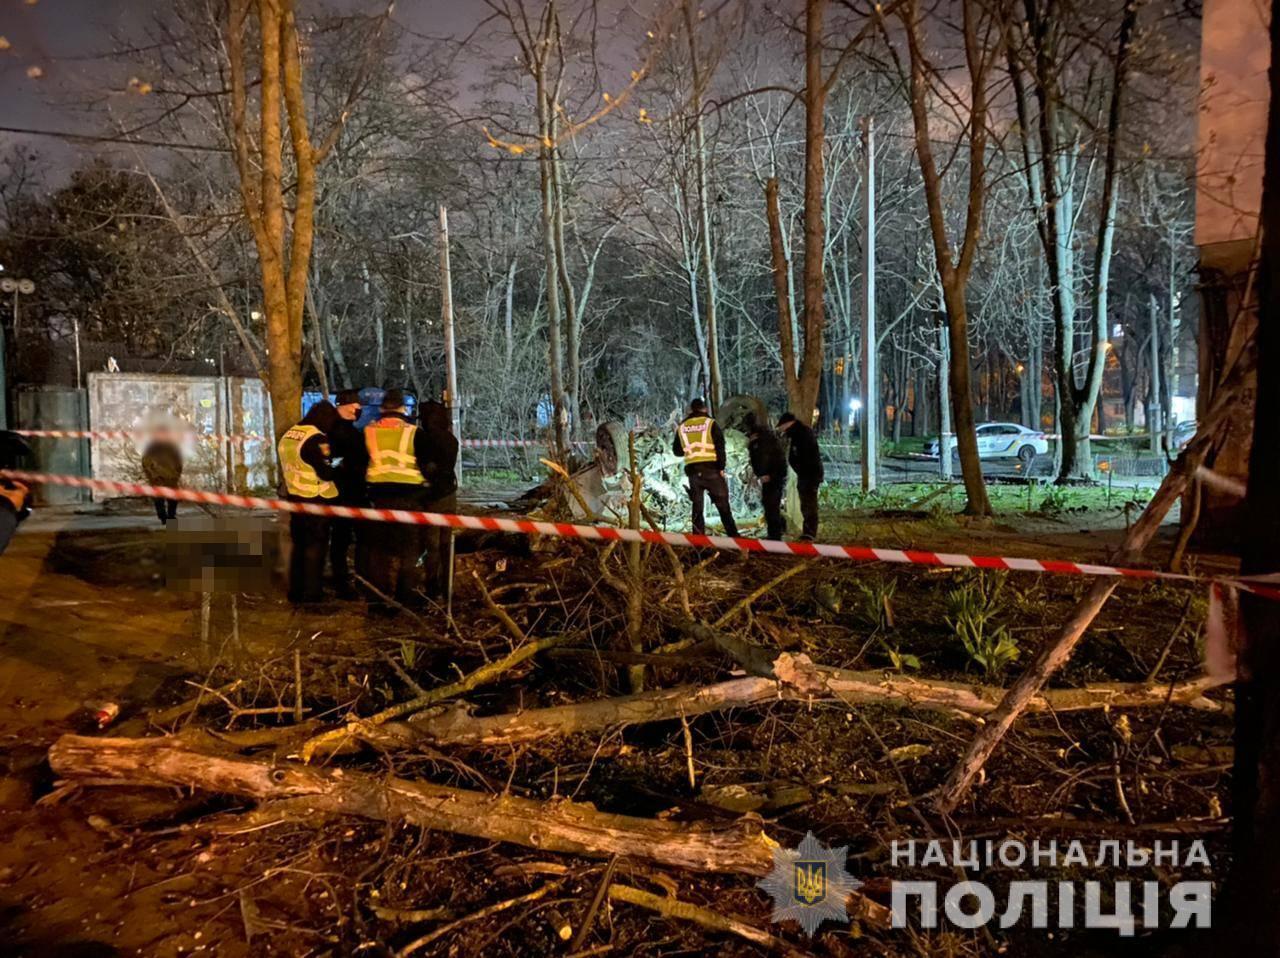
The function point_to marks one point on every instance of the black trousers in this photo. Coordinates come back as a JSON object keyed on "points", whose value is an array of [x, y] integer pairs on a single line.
{"points": [[435, 544], [809, 507], [342, 533], [310, 536], [771, 496], [166, 509], [709, 481], [394, 549]]}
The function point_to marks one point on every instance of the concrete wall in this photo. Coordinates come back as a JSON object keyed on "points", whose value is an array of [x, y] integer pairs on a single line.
{"points": [[204, 405]]}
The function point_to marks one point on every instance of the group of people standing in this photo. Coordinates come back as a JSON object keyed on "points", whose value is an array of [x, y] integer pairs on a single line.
{"points": [[700, 440], [392, 463]]}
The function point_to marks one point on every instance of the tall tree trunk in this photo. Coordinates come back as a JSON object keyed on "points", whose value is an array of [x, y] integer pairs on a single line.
{"points": [[815, 227], [1076, 403], [782, 293], [704, 215], [572, 308], [555, 359], [953, 270], [508, 316]]}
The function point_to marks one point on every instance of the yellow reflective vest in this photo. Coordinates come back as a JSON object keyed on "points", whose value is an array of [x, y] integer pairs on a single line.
{"points": [[696, 439], [300, 479], [391, 457]]}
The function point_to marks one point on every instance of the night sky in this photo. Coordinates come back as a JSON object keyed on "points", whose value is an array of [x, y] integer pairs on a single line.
{"points": [[67, 41]]}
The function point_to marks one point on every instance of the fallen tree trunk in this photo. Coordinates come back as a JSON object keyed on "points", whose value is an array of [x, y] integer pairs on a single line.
{"points": [[800, 680], [741, 847], [561, 826]]}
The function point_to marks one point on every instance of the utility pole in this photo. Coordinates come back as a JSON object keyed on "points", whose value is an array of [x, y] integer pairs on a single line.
{"points": [[1153, 405], [18, 287], [870, 375], [946, 438], [450, 355]]}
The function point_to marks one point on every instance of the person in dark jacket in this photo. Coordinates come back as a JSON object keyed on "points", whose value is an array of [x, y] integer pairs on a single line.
{"points": [[769, 463], [306, 462], [15, 506], [162, 465], [806, 463], [15, 496], [350, 460], [399, 462], [441, 472], [700, 440]]}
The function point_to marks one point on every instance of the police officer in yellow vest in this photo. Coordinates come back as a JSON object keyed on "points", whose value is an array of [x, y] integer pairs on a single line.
{"points": [[305, 461], [399, 462], [701, 441]]}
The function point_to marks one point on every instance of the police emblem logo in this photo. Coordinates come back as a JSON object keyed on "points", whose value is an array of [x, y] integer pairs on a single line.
{"points": [[809, 884]]}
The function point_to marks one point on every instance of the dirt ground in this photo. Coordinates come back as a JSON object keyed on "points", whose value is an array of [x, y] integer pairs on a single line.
{"points": [[116, 870]]}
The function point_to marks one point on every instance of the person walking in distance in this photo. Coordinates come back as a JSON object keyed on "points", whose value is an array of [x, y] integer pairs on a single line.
{"points": [[441, 473], [700, 441], [162, 465], [399, 458], [306, 461], [350, 461], [769, 463], [806, 463]]}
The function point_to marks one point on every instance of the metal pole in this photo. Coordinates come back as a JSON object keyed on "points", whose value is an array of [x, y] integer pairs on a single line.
{"points": [[75, 325], [870, 374], [1153, 407], [946, 438], [4, 384], [451, 383], [446, 315]]}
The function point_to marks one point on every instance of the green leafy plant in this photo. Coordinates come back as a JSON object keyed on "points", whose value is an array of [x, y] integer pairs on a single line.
{"points": [[409, 654], [973, 608], [901, 661], [877, 599]]}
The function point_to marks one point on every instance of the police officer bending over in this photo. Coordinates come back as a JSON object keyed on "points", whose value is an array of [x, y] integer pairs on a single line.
{"points": [[701, 441], [309, 477]]}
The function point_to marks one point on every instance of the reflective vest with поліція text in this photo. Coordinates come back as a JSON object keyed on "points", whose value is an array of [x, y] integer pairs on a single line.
{"points": [[696, 439], [300, 479], [391, 456]]}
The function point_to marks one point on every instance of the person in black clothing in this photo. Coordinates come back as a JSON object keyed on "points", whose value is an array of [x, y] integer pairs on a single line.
{"points": [[806, 462], [396, 480], [15, 496], [306, 458], [441, 473], [700, 440], [350, 459], [769, 463], [15, 506]]}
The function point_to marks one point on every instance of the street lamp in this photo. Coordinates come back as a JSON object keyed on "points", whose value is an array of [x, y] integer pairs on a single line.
{"points": [[18, 287]]}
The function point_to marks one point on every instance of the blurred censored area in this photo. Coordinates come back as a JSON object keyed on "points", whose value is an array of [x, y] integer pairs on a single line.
{"points": [[220, 554]]}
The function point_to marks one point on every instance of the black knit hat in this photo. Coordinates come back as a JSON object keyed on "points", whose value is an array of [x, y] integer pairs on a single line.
{"points": [[392, 399], [347, 396], [698, 405]]}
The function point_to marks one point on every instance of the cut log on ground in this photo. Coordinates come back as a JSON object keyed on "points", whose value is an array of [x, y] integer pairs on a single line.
{"points": [[562, 826], [801, 681]]}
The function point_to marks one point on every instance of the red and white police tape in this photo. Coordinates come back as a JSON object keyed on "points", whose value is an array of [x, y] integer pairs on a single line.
{"points": [[612, 534], [135, 434], [238, 439]]}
